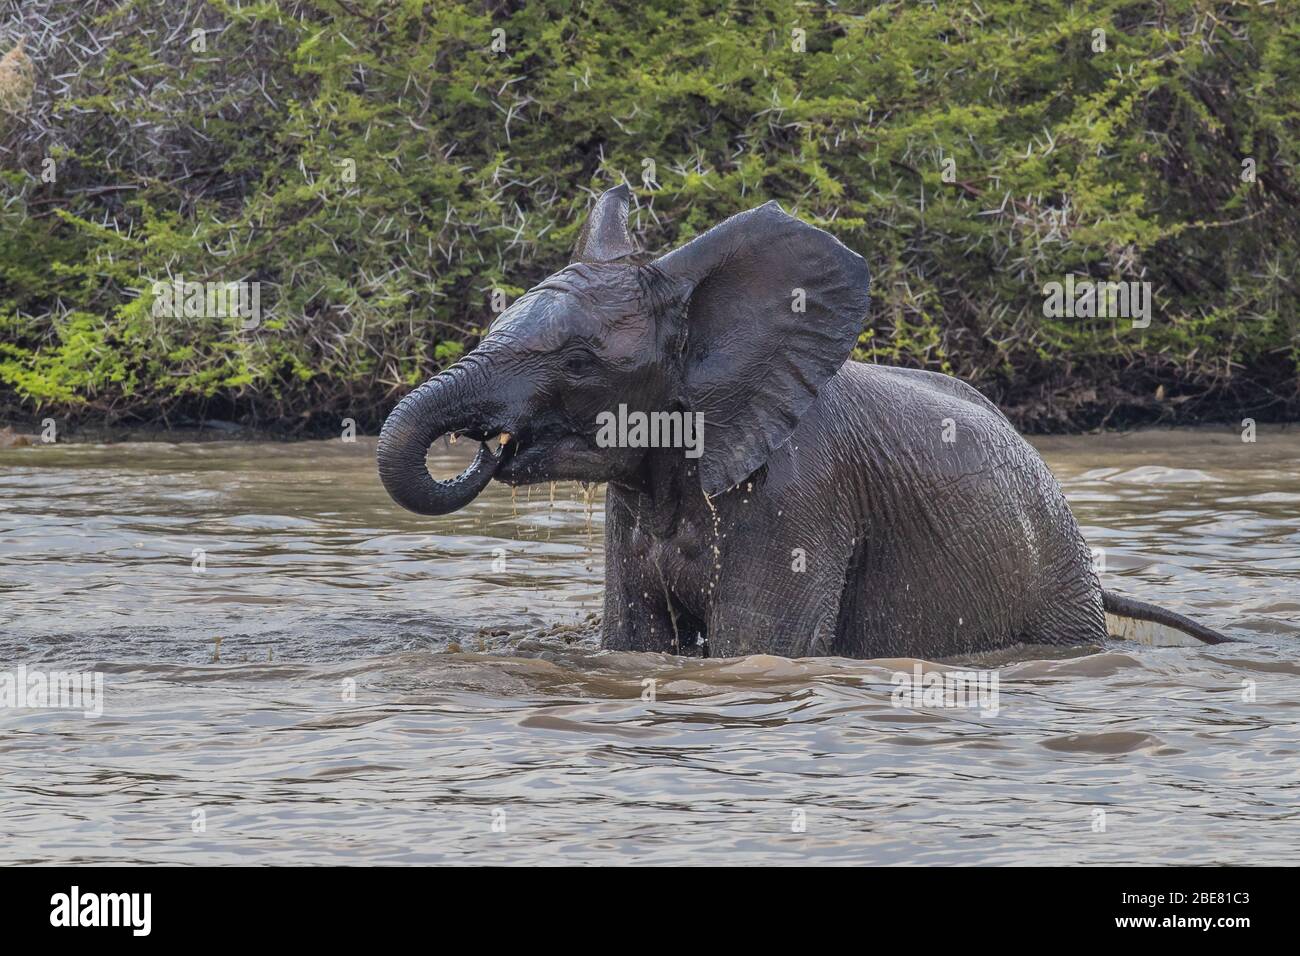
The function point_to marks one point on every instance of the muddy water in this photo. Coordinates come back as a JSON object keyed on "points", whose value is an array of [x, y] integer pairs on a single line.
{"points": [[393, 689]]}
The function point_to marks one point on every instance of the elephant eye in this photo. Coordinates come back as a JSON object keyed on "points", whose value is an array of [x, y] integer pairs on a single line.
{"points": [[578, 361]]}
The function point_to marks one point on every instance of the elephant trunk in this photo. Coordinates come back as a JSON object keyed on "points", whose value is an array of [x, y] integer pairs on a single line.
{"points": [[442, 404]]}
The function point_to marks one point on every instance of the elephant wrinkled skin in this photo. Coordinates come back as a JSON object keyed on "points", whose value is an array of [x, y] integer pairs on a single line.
{"points": [[837, 508]]}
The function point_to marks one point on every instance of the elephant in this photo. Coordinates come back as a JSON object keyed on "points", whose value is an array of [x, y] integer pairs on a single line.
{"points": [[832, 508]]}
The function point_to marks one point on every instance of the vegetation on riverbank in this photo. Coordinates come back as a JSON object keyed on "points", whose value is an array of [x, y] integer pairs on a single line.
{"points": [[382, 167]]}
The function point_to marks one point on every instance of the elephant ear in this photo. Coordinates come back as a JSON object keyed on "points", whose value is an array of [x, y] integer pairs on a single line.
{"points": [[773, 308], [605, 237]]}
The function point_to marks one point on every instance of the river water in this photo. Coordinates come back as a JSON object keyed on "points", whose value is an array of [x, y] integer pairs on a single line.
{"points": [[397, 689]]}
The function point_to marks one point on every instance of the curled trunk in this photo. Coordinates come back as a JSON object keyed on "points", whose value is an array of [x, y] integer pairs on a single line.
{"points": [[435, 408]]}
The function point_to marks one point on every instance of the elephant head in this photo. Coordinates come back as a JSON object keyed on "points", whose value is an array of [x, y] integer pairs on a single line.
{"points": [[743, 324]]}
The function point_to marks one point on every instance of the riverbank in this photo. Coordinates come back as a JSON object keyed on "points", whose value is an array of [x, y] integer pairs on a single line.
{"points": [[1048, 416], [214, 432], [288, 260]]}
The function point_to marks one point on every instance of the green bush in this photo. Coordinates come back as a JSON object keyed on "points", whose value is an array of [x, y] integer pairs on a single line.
{"points": [[232, 158]]}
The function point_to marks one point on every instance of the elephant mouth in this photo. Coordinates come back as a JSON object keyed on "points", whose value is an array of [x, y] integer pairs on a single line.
{"points": [[512, 453], [531, 454], [519, 453], [502, 436], [496, 447]]}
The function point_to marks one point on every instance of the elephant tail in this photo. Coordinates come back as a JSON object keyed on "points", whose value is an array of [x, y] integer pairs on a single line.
{"points": [[1150, 624]]}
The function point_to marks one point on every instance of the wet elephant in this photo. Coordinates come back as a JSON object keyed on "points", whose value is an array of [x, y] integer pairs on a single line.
{"points": [[831, 508]]}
